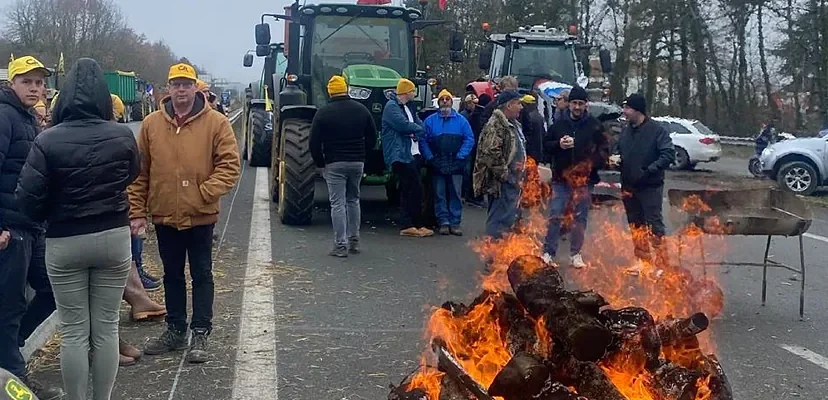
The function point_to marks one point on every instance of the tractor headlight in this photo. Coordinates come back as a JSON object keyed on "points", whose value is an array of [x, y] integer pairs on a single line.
{"points": [[358, 93]]}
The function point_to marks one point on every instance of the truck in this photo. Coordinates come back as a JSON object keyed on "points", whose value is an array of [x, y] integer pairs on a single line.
{"points": [[133, 92], [372, 45], [536, 55]]}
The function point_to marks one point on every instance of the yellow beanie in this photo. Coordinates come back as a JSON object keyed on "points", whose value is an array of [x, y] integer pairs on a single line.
{"points": [[528, 99], [444, 93], [201, 85], [337, 86], [405, 86]]}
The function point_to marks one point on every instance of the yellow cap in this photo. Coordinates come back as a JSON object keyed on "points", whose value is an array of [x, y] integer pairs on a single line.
{"points": [[444, 93], [528, 99], [24, 65], [182, 71], [405, 86], [337, 86], [117, 106], [201, 85]]}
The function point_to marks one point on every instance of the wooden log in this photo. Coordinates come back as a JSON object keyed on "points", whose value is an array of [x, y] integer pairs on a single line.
{"points": [[402, 393], [525, 377], [676, 330], [588, 379], [450, 389], [448, 364], [534, 282], [636, 344], [718, 383], [673, 382]]}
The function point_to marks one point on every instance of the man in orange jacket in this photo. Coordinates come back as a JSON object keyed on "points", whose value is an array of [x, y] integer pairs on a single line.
{"points": [[187, 137]]}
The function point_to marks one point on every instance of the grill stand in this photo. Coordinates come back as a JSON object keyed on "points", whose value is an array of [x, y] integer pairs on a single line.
{"points": [[766, 262]]}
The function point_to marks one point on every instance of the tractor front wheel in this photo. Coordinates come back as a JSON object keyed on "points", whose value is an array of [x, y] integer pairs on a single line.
{"points": [[296, 173]]}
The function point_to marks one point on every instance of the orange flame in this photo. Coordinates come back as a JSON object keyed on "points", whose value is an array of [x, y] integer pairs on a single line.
{"points": [[664, 290]]}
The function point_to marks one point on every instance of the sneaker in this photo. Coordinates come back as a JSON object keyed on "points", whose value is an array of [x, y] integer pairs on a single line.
{"points": [[577, 261], [149, 276], [425, 232], [445, 230], [353, 247], [149, 284], [456, 231], [548, 258], [170, 340], [411, 232], [42, 392], [198, 349], [340, 252]]}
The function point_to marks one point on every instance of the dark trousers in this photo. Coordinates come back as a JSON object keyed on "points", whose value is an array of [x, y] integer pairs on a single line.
{"points": [[411, 194], [14, 267], [175, 247], [43, 303], [644, 214]]}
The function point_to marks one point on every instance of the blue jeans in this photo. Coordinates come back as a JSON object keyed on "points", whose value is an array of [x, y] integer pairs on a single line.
{"points": [[504, 210], [562, 195], [137, 245], [448, 205]]}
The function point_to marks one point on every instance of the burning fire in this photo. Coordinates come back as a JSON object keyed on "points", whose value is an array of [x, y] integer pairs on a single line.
{"points": [[475, 338]]}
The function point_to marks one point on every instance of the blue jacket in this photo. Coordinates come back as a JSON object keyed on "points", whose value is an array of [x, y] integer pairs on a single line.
{"points": [[447, 143], [397, 131]]}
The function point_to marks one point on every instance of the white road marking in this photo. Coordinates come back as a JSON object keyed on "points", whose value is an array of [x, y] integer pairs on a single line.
{"points": [[822, 239], [808, 355], [256, 374]]}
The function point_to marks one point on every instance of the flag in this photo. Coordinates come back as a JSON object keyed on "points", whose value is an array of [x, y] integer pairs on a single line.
{"points": [[442, 4], [553, 89], [60, 64], [268, 106]]}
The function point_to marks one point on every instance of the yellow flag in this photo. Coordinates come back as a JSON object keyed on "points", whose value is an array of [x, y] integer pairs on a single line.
{"points": [[60, 64], [268, 106]]}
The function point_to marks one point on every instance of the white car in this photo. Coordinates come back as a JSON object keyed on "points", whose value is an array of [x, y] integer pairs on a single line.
{"points": [[694, 142]]}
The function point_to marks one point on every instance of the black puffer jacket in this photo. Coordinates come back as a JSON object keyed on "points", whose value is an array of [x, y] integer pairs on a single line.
{"points": [[17, 132], [77, 172]]}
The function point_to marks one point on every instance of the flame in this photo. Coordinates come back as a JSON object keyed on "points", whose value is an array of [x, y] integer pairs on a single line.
{"points": [[665, 289]]}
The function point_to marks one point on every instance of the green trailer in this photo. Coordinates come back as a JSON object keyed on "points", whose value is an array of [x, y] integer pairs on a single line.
{"points": [[132, 91]]}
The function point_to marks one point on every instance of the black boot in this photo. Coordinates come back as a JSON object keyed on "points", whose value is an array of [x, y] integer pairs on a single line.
{"points": [[198, 349], [170, 340]]}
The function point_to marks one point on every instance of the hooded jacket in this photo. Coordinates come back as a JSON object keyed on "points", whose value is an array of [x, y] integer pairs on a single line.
{"points": [[187, 165], [18, 128], [397, 131], [447, 142], [494, 154], [579, 165], [77, 172]]}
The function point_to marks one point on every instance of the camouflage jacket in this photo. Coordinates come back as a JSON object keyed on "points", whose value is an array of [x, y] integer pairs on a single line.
{"points": [[494, 151]]}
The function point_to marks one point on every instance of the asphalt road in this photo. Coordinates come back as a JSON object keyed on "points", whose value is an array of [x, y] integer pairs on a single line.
{"points": [[304, 325]]}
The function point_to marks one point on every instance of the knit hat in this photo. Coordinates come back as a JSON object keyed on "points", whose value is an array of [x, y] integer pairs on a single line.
{"points": [[337, 86], [405, 86], [578, 93], [637, 102], [444, 93], [201, 85], [528, 99], [507, 96]]}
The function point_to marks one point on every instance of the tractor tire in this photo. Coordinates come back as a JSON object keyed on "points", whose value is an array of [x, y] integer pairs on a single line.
{"points": [[137, 112], [296, 183], [258, 140]]}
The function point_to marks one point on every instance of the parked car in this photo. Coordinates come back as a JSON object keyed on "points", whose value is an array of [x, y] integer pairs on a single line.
{"points": [[797, 165], [694, 142]]}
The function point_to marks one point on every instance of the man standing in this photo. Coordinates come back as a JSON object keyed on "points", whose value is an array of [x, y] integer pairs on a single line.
{"points": [[401, 131], [561, 104], [188, 137], [499, 168], [533, 127], [341, 134], [446, 146], [507, 84], [577, 146], [473, 112], [646, 151], [22, 240]]}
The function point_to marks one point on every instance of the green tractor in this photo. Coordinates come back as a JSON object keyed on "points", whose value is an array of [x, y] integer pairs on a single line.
{"points": [[372, 46]]}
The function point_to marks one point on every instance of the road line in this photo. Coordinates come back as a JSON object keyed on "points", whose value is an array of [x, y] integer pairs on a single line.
{"points": [[822, 239], [256, 374], [324, 329], [809, 355]]}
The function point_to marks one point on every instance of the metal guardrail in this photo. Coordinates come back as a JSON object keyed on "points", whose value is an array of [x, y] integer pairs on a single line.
{"points": [[737, 141]]}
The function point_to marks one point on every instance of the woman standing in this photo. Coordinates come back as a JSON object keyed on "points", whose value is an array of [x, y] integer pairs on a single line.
{"points": [[75, 178]]}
